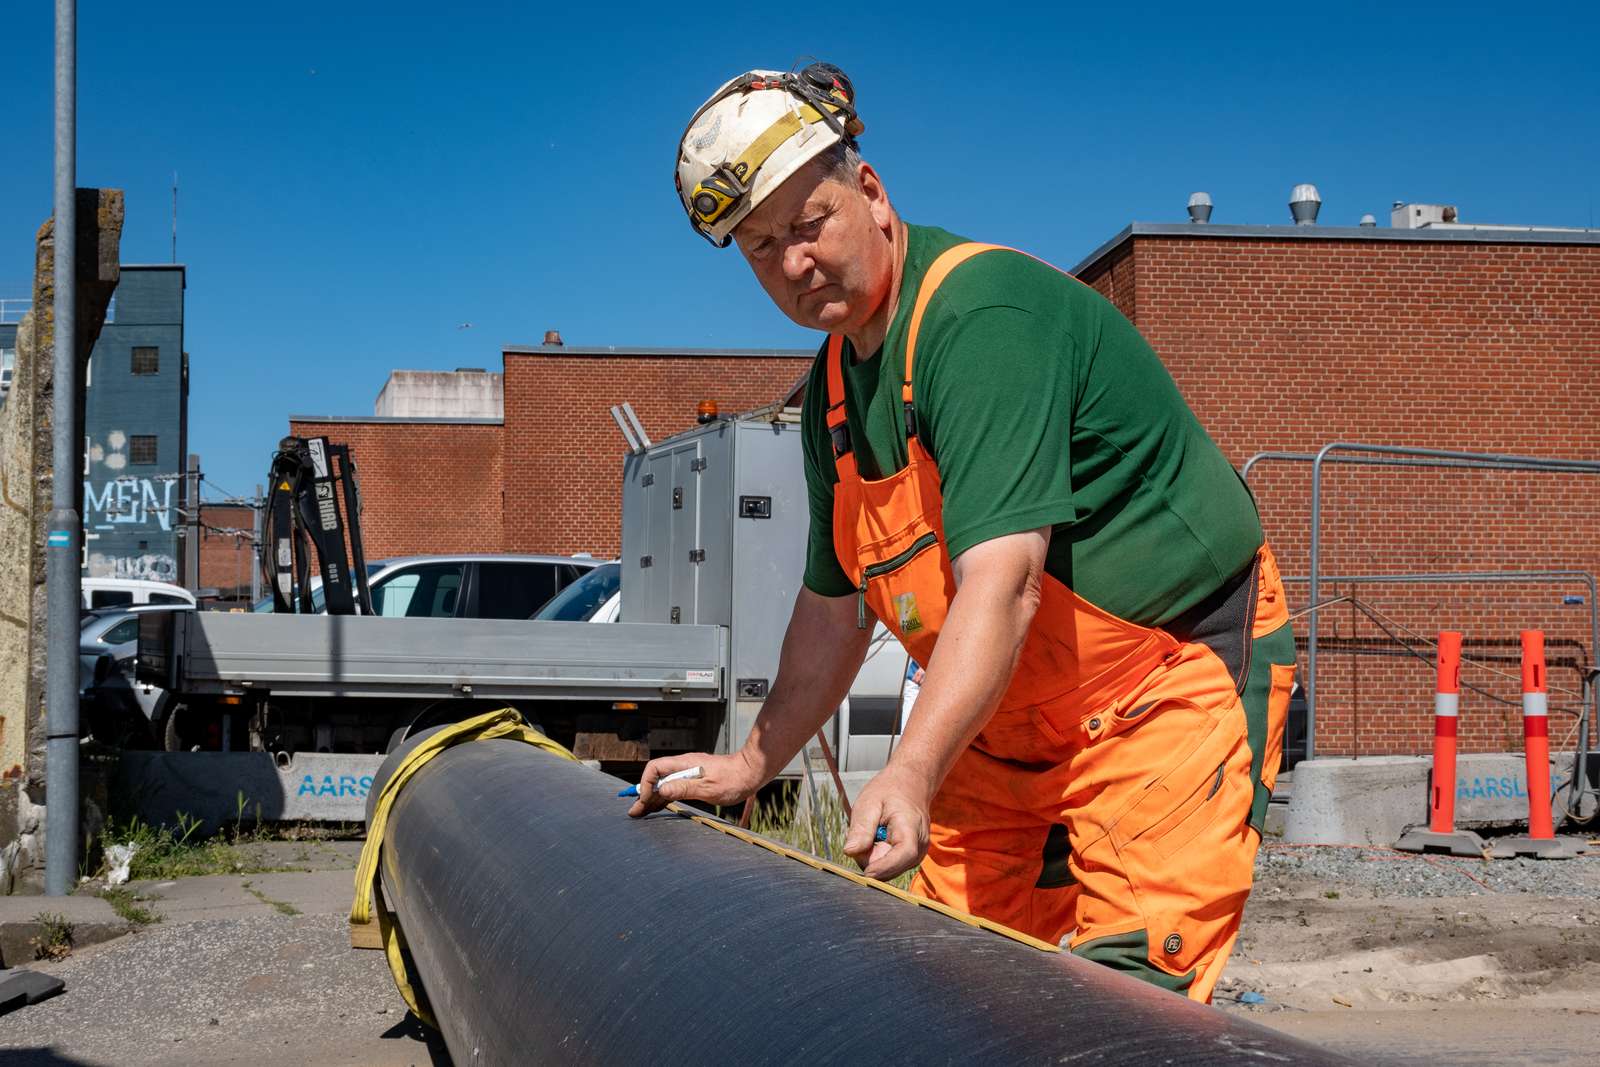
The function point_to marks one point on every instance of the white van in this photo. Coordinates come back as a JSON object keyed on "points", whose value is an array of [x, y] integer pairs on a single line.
{"points": [[115, 592]]}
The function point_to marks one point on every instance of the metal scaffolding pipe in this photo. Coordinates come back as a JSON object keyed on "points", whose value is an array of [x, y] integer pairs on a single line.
{"points": [[1387, 456], [547, 926], [1505, 463]]}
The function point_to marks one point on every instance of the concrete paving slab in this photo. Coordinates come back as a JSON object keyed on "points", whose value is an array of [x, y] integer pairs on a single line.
{"points": [[79, 908], [316, 893], [230, 896], [303, 855], [92, 919]]}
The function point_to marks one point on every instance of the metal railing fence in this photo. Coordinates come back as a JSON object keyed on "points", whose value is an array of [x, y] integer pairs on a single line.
{"points": [[1390, 456]]}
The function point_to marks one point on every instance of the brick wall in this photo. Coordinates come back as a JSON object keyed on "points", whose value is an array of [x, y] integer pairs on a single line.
{"points": [[426, 487], [1289, 344], [227, 556], [563, 453]]}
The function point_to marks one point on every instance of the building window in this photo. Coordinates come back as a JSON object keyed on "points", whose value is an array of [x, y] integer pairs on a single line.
{"points": [[147, 360], [142, 449]]}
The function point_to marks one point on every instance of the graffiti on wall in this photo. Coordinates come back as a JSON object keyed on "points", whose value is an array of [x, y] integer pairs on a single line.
{"points": [[123, 510], [130, 501], [150, 566]]}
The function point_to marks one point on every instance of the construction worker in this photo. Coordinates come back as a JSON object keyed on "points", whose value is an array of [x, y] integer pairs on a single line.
{"points": [[1002, 471]]}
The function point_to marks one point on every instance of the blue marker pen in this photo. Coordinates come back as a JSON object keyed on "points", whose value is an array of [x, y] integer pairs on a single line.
{"points": [[676, 776]]}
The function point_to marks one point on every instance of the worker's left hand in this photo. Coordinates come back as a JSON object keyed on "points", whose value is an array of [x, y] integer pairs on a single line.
{"points": [[898, 800]]}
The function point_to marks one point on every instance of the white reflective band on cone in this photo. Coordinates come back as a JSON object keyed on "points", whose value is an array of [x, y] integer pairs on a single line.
{"points": [[1535, 704], [1445, 704]]}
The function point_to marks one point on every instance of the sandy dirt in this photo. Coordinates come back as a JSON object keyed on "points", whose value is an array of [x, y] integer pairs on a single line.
{"points": [[1346, 959]]}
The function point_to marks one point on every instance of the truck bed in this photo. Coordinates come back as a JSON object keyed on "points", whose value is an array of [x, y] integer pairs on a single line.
{"points": [[364, 656]]}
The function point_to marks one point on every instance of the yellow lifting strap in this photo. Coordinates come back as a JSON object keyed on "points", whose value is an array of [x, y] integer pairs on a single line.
{"points": [[369, 902]]}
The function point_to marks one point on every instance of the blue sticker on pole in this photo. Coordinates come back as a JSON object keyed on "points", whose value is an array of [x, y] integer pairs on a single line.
{"points": [[59, 539]]}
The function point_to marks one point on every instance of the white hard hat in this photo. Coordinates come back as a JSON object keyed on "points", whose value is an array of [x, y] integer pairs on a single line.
{"points": [[752, 134]]}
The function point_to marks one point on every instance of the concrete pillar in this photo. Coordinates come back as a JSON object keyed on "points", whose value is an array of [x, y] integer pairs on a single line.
{"points": [[27, 464]]}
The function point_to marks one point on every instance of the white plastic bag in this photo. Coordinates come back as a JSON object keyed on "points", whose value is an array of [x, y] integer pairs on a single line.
{"points": [[119, 858]]}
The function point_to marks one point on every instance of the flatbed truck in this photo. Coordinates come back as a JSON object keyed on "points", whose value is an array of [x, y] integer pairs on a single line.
{"points": [[713, 538]]}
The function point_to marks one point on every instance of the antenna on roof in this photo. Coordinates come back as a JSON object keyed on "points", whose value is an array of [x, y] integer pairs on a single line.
{"points": [[174, 216]]}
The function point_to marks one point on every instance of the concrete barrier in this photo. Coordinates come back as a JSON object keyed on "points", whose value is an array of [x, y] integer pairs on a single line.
{"points": [[313, 786], [1372, 800]]}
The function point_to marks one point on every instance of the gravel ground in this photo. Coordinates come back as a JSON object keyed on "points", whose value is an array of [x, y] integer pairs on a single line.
{"points": [[1385, 872], [265, 990]]}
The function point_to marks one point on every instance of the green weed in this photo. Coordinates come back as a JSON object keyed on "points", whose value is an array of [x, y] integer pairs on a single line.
{"points": [[165, 852], [283, 907], [820, 831], [126, 903], [54, 940]]}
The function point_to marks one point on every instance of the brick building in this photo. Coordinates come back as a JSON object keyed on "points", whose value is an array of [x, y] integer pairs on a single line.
{"points": [[1480, 339], [1283, 338], [543, 474], [227, 552]]}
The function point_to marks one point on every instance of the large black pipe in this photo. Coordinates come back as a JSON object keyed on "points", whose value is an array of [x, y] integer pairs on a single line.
{"points": [[546, 926]]}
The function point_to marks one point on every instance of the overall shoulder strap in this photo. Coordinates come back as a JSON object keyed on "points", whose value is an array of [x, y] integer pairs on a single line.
{"points": [[838, 427], [948, 260]]}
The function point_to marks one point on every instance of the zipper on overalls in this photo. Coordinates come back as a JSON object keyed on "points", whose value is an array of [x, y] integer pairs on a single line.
{"points": [[894, 563]]}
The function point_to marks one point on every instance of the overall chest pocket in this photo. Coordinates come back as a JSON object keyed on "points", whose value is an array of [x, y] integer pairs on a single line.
{"points": [[908, 584]]}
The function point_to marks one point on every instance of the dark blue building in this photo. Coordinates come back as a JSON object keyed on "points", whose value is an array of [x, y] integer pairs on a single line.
{"points": [[136, 428]]}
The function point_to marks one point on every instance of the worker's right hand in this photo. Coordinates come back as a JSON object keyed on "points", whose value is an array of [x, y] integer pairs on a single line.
{"points": [[724, 781]]}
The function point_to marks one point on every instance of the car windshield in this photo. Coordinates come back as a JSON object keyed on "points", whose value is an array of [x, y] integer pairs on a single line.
{"points": [[578, 601], [123, 632]]}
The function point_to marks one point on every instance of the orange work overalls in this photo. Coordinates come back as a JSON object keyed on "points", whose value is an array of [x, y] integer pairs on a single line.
{"points": [[1125, 742]]}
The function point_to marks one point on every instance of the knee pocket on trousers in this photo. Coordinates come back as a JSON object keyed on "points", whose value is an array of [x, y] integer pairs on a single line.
{"points": [[1186, 851], [1181, 803]]}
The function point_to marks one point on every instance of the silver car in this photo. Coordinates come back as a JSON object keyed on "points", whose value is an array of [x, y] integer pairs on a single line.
{"points": [[467, 586]]}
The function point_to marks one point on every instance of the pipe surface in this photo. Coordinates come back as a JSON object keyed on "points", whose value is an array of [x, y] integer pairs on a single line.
{"points": [[63, 530], [545, 925]]}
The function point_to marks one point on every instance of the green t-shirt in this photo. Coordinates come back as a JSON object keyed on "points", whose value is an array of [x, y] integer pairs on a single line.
{"points": [[1042, 406]]}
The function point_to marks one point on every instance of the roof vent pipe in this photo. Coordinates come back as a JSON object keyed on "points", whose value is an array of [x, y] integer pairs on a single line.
{"points": [[552, 337], [1199, 207], [1304, 204], [1368, 220]]}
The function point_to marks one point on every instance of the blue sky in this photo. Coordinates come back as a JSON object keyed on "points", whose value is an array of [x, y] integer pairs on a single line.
{"points": [[359, 180]]}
